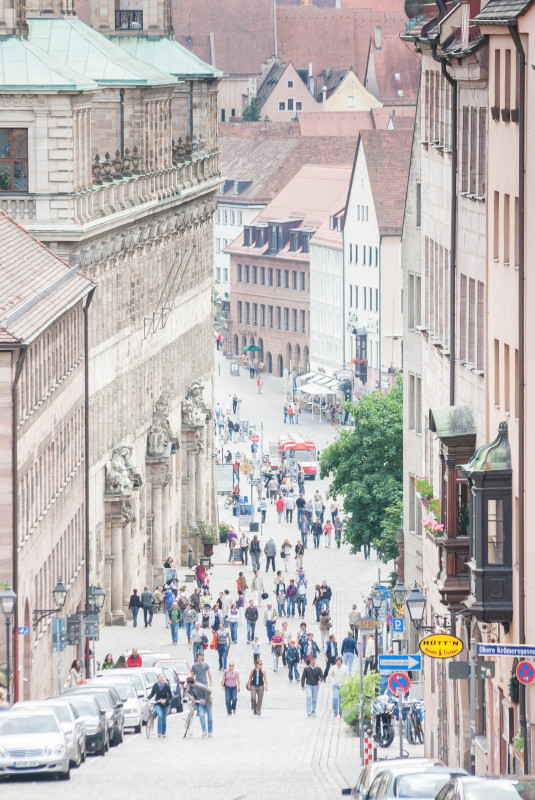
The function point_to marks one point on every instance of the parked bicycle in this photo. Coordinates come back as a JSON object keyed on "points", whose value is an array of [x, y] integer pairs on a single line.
{"points": [[414, 732]]}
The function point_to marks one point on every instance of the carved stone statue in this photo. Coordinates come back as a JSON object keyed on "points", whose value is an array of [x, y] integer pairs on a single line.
{"points": [[160, 432], [121, 472], [194, 410], [198, 441]]}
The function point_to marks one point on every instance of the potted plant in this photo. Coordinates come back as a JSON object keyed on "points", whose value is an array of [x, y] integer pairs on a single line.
{"points": [[424, 489], [208, 537], [224, 529]]}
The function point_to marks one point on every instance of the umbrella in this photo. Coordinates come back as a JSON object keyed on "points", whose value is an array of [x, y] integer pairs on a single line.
{"points": [[252, 348]]}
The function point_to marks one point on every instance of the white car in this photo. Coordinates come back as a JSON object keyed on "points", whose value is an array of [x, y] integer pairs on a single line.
{"points": [[71, 724], [135, 678], [33, 743], [131, 704]]}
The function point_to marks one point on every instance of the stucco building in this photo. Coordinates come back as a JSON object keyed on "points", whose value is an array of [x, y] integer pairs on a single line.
{"points": [[140, 223]]}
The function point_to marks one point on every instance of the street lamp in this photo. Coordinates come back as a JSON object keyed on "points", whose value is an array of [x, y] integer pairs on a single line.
{"points": [[416, 603], [97, 597], [7, 602], [399, 593], [377, 602], [59, 593]]}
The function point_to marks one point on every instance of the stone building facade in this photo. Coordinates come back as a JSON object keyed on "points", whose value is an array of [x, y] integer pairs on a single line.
{"points": [[140, 223]]}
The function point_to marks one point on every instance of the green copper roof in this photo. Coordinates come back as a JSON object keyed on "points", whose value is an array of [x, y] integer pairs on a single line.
{"points": [[26, 67], [452, 421], [168, 55], [493, 456], [77, 45]]}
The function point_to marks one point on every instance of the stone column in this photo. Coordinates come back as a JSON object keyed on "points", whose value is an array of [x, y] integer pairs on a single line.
{"points": [[127, 564], [117, 613], [192, 455], [166, 532], [157, 522], [200, 480]]}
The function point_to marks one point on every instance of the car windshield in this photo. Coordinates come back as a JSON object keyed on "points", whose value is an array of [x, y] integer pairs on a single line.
{"points": [[422, 785], [501, 790], [124, 690], [305, 456], [83, 706], [13, 725], [103, 699], [178, 666], [62, 713], [153, 677]]}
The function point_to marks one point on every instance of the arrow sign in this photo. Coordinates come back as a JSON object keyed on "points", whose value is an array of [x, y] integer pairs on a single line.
{"points": [[409, 662], [399, 683], [525, 673]]}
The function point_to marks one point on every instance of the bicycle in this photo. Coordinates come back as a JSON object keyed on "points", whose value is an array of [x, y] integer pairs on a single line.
{"points": [[413, 725], [231, 501], [189, 719], [150, 720]]}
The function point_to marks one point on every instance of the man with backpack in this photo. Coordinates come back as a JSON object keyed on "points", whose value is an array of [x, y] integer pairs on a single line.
{"points": [[293, 656], [168, 600], [254, 549]]}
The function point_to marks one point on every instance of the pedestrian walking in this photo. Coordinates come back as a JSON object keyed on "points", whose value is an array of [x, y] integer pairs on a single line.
{"points": [[219, 341], [201, 671], [202, 697], [244, 547], [325, 625], [273, 487], [293, 656], [276, 648], [285, 412], [280, 593], [286, 636], [331, 654], [226, 603], [310, 682], [310, 648], [339, 675], [200, 573], [328, 531], [230, 427], [232, 542], [318, 508], [334, 511], [189, 617], [147, 601], [289, 506], [241, 607], [296, 413], [241, 583], [256, 650], [223, 644], [174, 615], [161, 691], [305, 530], [316, 533], [270, 551], [353, 616], [290, 414], [286, 552], [291, 595], [279, 505], [326, 594], [263, 508], [299, 553], [301, 595], [369, 653], [233, 622], [197, 641], [257, 587], [270, 618], [300, 505], [229, 403], [317, 602], [338, 525], [234, 403], [349, 650], [251, 615], [251, 368], [257, 685], [309, 509], [259, 383], [134, 605], [231, 685]]}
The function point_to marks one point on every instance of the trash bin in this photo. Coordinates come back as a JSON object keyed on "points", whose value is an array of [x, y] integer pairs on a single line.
{"points": [[254, 527]]}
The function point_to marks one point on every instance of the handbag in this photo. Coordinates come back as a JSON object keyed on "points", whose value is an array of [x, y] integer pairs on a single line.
{"points": [[283, 554], [213, 646], [264, 595]]}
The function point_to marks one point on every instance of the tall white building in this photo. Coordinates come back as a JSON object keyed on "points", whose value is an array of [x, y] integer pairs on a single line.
{"points": [[232, 214], [326, 295]]}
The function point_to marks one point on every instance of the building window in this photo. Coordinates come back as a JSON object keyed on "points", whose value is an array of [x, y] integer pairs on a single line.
{"points": [[247, 273], [270, 317], [364, 255], [298, 105], [278, 279], [262, 316], [222, 115], [294, 280], [240, 312], [350, 253], [286, 319], [232, 112], [377, 301], [247, 236], [350, 101], [356, 296], [270, 276], [239, 273], [218, 273], [247, 313], [13, 160], [303, 322], [290, 104], [350, 295], [290, 84], [262, 276], [306, 243], [218, 245], [255, 315], [294, 318], [239, 217], [279, 318], [255, 275], [282, 106], [356, 254], [303, 282], [232, 218], [370, 306], [286, 279], [225, 275], [364, 296], [418, 204]]}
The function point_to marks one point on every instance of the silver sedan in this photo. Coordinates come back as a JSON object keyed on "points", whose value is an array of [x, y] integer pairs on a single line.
{"points": [[33, 743]]}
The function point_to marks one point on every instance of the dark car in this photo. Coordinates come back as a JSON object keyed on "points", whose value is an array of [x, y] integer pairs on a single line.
{"points": [[110, 701], [472, 788], [96, 727]]}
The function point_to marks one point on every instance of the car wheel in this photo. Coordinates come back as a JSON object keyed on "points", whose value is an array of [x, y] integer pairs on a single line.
{"points": [[64, 776], [78, 759], [107, 744], [84, 753], [117, 737], [137, 728]]}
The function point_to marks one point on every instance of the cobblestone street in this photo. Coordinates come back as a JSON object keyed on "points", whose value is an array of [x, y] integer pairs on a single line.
{"points": [[247, 755]]}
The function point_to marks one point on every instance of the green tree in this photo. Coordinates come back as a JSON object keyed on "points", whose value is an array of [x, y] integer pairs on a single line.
{"points": [[252, 112], [366, 465]]}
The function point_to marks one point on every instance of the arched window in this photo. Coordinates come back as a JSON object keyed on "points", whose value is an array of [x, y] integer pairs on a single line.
{"points": [[280, 366], [306, 367], [236, 345], [269, 363], [298, 358], [289, 357]]}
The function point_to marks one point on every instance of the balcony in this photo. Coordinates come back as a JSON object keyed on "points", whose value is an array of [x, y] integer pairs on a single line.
{"points": [[128, 20]]}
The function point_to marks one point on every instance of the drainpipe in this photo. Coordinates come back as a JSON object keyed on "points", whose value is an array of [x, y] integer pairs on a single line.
{"points": [[15, 505], [86, 435], [513, 30], [191, 111], [121, 100], [275, 28]]}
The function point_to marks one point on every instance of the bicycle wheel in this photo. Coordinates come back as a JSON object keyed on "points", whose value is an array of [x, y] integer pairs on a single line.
{"points": [[409, 730], [150, 723], [189, 720], [418, 729]]}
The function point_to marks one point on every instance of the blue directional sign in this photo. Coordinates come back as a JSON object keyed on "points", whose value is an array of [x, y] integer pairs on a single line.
{"points": [[398, 625], [514, 650], [391, 662], [24, 631]]}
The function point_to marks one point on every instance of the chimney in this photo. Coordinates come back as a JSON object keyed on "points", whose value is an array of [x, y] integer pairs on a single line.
{"points": [[212, 50], [310, 78], [378, 37], [324, 93], [465, 23]]}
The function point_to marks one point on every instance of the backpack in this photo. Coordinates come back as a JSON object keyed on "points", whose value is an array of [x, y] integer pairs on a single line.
{"points": [[236, 427], [169, 597]]}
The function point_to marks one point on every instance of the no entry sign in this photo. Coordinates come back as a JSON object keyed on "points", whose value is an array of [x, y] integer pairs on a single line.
{"points": [[399, 683], [255, 438], [525, 672]]}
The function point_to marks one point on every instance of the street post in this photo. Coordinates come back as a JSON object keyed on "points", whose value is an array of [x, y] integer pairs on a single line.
{"points": [[361, 703]]}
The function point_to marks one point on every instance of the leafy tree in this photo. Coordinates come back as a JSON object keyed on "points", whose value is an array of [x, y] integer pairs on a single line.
{"points": [[366, 464], [252, 112]]}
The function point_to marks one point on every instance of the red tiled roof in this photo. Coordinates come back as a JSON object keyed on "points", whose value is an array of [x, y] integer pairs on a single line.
{"points": [[36, 285], [400, 116], [387, 155], [376, 5], [334, 123], [271, 164], [396, 58], [327, 236]]}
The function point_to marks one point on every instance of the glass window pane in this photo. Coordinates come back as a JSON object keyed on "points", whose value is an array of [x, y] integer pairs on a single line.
{"points": [[5, 143], [495, 543], [20, 143], [5, 176]]}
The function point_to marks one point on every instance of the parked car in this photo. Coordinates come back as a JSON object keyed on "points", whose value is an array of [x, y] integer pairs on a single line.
{"points": [[131, 706], [176, 687], [96, 726], [135, 678], [369, 772], [149, 659], [180, 665], [473, 788], [72, 726], [418, 784], [110, 701], [149, 676], [32, 742]]}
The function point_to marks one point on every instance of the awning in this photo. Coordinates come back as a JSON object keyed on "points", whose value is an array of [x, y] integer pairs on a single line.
{"points": [[314, 388], [452, 421]]}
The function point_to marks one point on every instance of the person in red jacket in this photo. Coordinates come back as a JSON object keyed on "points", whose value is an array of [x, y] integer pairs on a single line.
{"points": [[279, 505], [200, 574], [134, 659], [241, 583]]}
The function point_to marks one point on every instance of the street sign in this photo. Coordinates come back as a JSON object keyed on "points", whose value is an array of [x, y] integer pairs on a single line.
{"points": [[59, 638], [390, 620], [368, 624], [459, 670], [254, 482], [525, 673], [24, 631], [399, 683], [518, 650], [441, 645], [255, 438], [399, 625], [390, 661]]}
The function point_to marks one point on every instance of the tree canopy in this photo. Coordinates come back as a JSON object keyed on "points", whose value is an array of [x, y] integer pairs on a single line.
{"points": [[252, 112], [366, 465]]}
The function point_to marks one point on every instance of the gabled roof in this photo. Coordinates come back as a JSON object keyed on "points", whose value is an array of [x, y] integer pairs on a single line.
{"points": [[387, 155], [74, 43], [167, 55], [23, 65], [397, 69], [36, 285], [331, 79], [498, 12], [270, 81], [326, 235]]}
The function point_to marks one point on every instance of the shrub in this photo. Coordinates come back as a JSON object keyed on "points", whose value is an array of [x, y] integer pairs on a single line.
{"points": [[350, 695]]}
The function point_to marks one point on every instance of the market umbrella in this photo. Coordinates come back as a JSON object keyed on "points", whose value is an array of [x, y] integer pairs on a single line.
{"points": [[252, 348]]}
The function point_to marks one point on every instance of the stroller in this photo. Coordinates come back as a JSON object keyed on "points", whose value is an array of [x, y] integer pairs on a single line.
{"points": [[205, 616]]}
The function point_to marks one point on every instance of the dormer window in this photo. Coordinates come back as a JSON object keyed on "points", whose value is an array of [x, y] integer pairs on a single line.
{"points": [[294, 241], [261, 235], [275, 239], [339, 225], [400, 92], [305, 248], [397, 76], [247, 236], [332, 223], [236, 188]]}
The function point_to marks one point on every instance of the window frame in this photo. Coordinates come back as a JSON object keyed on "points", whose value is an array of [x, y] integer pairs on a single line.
{"points": [[12, 160]]}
